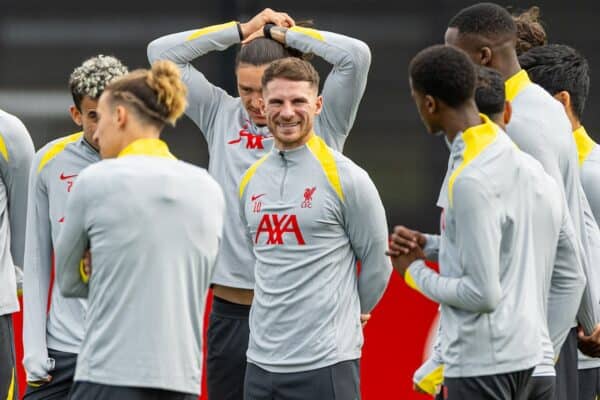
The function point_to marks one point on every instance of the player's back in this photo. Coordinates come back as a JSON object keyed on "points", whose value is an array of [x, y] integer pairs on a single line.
{"points": [[489, 186], [154, 226]]}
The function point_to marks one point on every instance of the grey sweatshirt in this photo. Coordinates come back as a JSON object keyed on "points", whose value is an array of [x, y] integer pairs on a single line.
{"points": [[560, 277], [53, 174], [310, 214], [16, 152], [589, 163], [540, 127], [153, 225], [486, 252], [234, 142]]}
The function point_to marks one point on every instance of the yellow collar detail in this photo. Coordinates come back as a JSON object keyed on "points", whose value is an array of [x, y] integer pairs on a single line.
{"points": [[147, 147], [476, 139], [584, 143], [515, 84]]}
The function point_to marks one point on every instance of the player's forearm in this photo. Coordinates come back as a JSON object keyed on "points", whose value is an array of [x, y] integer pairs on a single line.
{"points": [[456, 292], [184, 47], [432, 247], [374, 276]]}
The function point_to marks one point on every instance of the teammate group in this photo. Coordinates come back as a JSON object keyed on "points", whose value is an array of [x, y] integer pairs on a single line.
{"points": [[292, 235]]}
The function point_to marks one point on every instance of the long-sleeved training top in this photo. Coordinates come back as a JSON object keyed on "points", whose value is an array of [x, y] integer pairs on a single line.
{"points": [[153, 225], [16, 152], [589, 163], [486, 253], [560, 277], [234, 141], [311, 213], [53, 174], [540, 127]]}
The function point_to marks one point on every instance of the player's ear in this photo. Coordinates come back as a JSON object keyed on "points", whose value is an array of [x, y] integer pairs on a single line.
{"points": [[75, 115], [485, 56]]}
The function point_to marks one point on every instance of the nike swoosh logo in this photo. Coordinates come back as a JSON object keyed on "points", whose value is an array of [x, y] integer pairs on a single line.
{"points": [[65, 177], [256, 196]]}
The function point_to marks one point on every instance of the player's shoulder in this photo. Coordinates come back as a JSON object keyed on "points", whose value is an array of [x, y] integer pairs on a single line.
{"points": [[54, 150]]}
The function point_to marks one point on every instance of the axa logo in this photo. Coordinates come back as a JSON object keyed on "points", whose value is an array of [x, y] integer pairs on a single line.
{"points": [[279, 228], [256, 203], [69, 179], [308, 194], [252, 141]]}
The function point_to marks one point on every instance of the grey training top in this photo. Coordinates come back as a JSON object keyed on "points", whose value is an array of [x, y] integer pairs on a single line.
{"points": [[234, 142], [486, 252], [540, 127], [16, 152], [53, 174], [310, 214], [589, 162], [153, 225]]}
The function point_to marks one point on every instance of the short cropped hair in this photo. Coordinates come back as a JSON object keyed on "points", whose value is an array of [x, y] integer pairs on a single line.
{"points": [[293, 69], [443, 72], [487, 19], [490, 94], [558, 67]]}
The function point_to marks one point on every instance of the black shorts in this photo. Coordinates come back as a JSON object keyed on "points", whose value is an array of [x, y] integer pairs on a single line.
{"points": [[541, 388], [94, 391], [567, 381], [62, 379], [8, 374], [589, 384], [509, 386], [340, 381], [228, 334]]}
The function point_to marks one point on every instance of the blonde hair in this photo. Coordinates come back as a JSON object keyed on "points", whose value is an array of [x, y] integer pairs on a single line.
{"points": [[157, 94]]}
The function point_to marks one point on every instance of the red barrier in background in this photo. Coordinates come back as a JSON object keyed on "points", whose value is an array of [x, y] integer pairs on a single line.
{"points": [[395, 340]]}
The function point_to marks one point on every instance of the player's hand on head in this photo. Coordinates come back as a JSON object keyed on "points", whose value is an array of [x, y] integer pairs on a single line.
{"points": [[255, 35], [266, 16]]}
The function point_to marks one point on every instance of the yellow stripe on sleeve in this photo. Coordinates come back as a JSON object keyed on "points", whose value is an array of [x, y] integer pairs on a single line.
{"points": [[57, 148], [85, 278], [410, 281], [210, 29], [250, 173], [313, 33], [3, 149], [325, 157], [432, 381]]}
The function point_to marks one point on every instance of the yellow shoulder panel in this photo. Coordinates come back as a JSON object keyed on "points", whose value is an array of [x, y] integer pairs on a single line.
{"points": [[250, 173], [476, 139], [57, 148], [584, 143], [313, 33], [325, 157], [210, 29]]}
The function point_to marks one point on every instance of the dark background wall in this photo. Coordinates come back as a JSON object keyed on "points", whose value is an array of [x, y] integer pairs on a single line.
{"points": [[41, 42]]}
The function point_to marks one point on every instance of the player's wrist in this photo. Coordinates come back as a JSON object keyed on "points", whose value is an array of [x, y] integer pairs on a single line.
{"points": [[274, 32]]}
